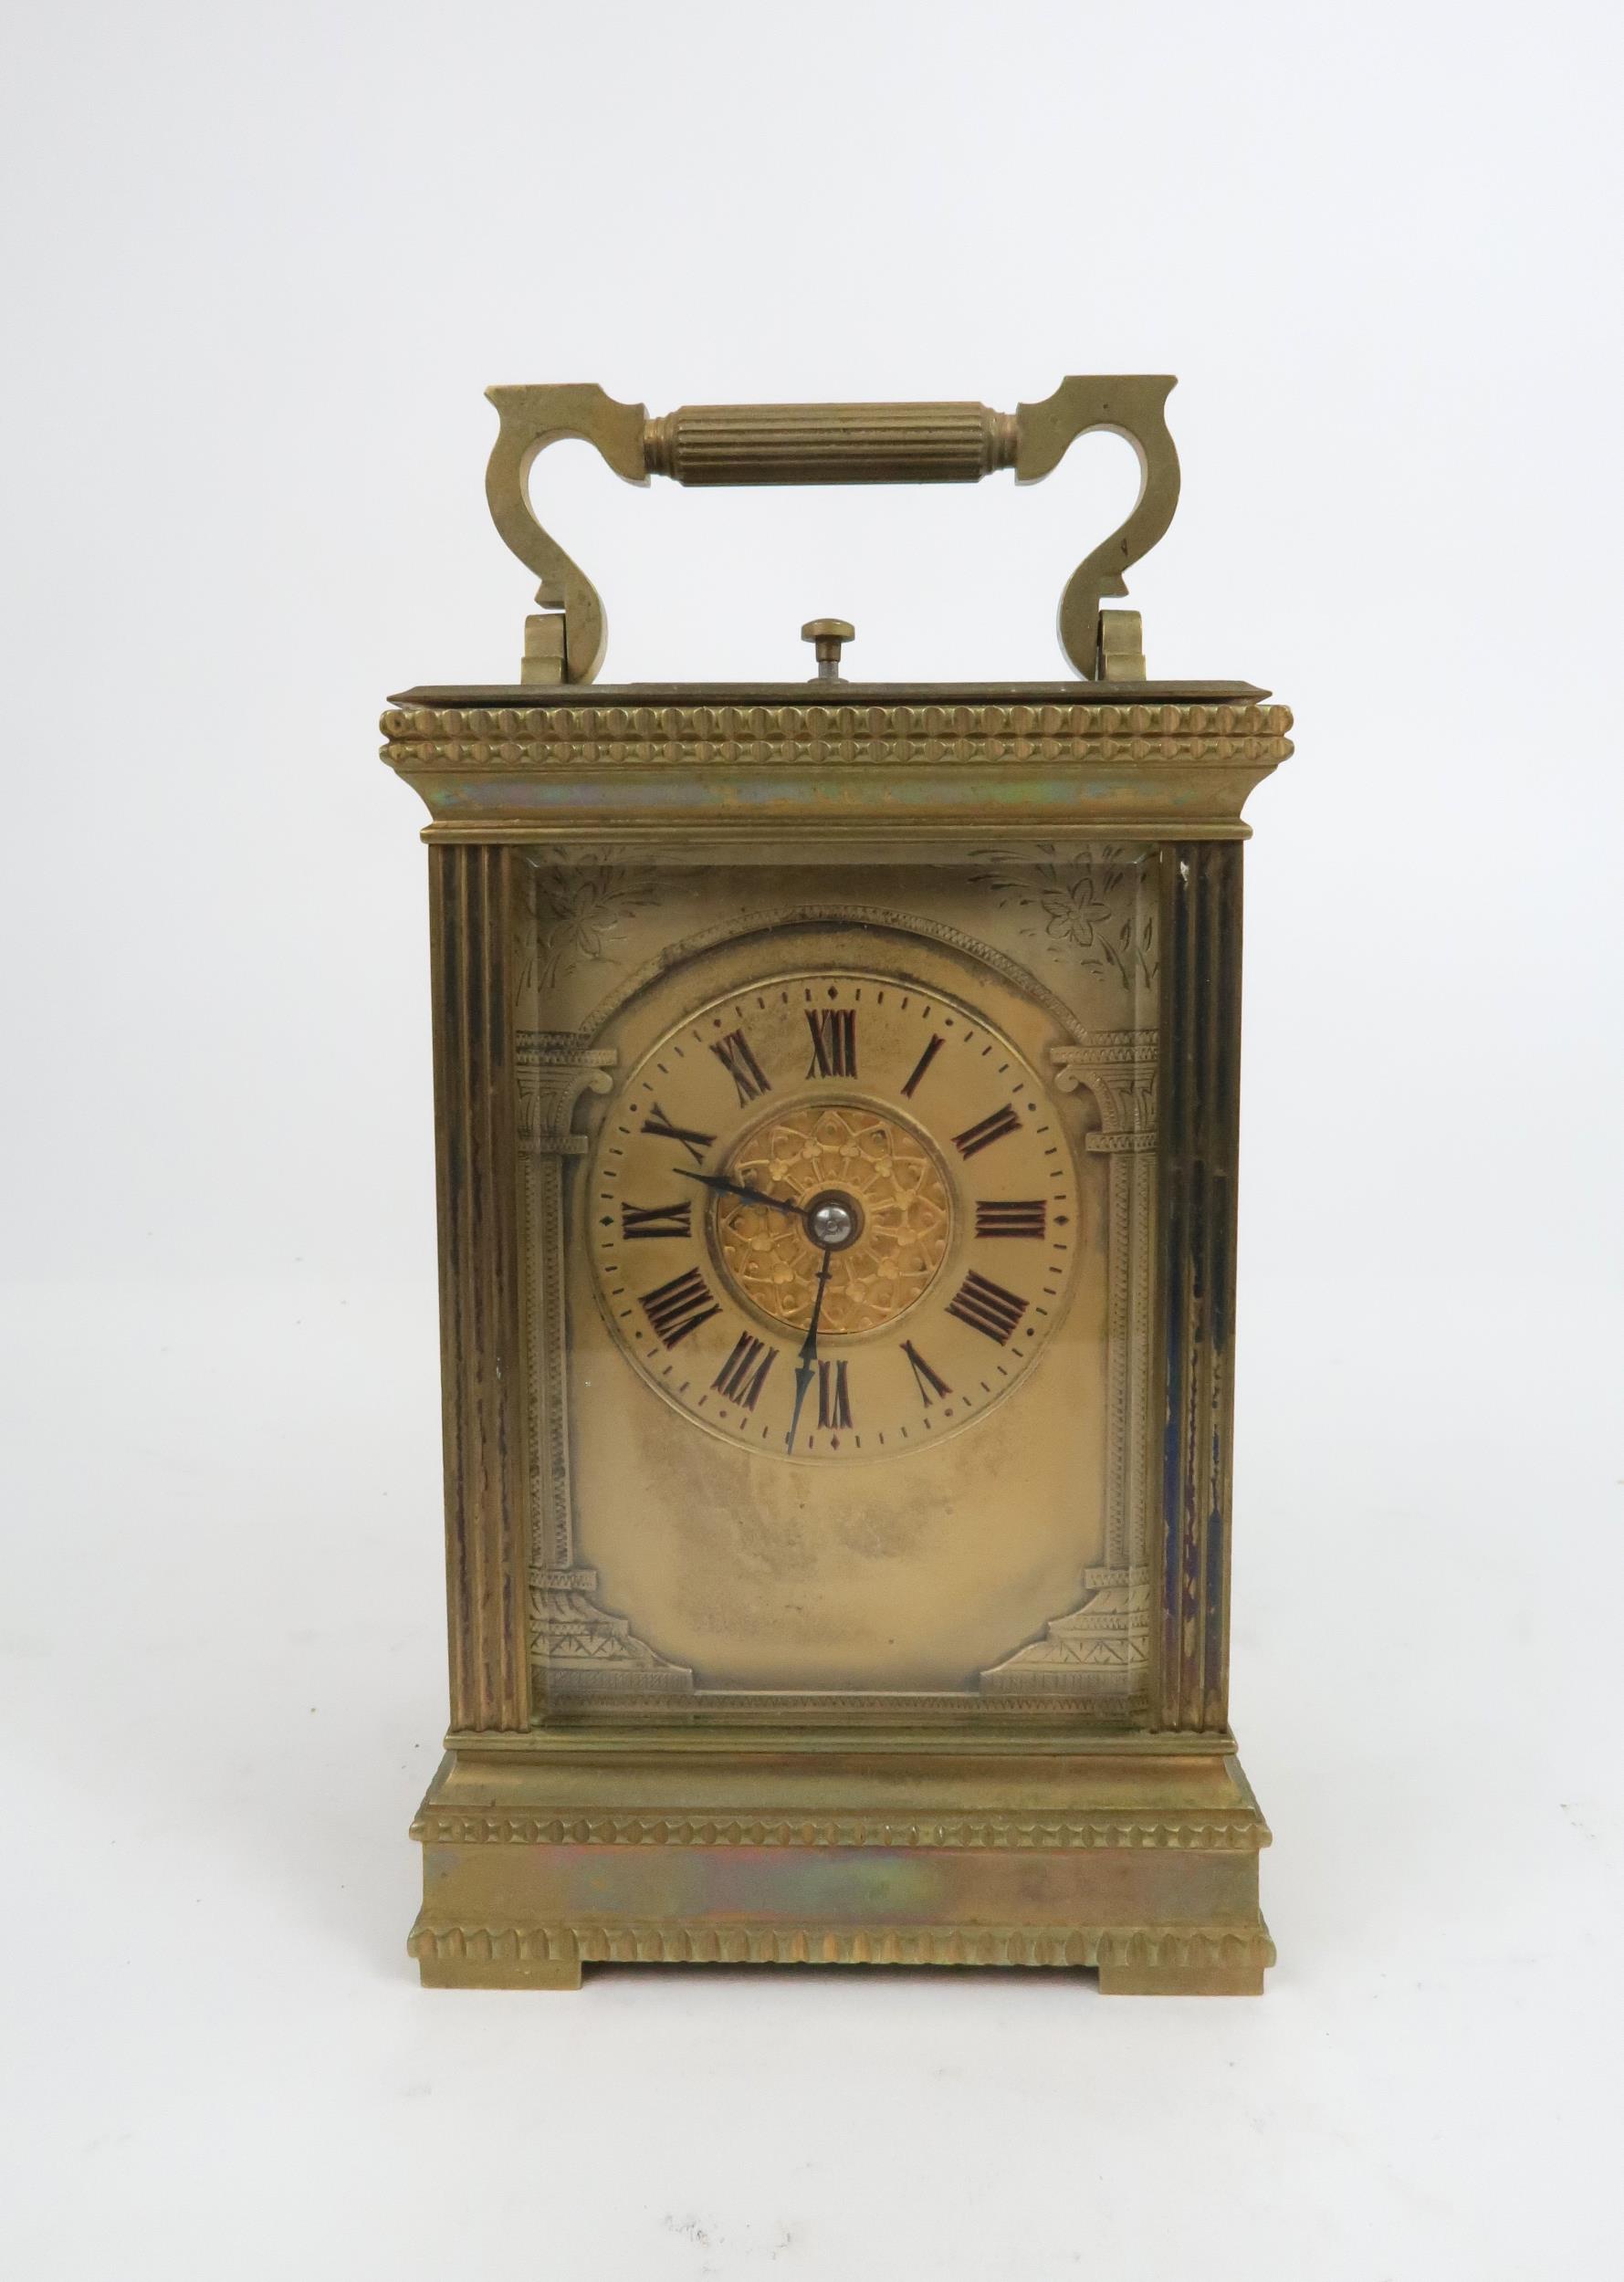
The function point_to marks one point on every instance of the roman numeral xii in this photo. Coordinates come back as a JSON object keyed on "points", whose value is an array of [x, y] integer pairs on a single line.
{"points": [[833, 1042]]}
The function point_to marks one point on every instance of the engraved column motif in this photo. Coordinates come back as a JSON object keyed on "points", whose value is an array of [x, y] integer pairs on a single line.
{"points": [[1103, 1646], [576, 1647]]}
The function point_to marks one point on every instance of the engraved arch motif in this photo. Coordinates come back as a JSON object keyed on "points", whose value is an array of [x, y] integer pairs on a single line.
{"points": [[826, 914]]}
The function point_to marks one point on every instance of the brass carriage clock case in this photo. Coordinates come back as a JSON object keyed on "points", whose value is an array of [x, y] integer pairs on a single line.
{"points": [[836, 1117]]}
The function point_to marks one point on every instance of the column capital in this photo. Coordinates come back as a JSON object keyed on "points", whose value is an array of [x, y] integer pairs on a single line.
{"points": [[554, 1071], [1118, 1067]]}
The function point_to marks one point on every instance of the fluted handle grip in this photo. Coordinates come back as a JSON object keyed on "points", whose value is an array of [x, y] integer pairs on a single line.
{"points": [[830, 444]]}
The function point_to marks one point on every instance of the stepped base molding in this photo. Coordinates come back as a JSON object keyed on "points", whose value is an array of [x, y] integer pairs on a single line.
{"points": [[559, 1852]]}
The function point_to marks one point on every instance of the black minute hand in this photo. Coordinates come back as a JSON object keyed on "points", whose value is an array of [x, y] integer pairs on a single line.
{"points": [[807, 1363], [735, 1188]]}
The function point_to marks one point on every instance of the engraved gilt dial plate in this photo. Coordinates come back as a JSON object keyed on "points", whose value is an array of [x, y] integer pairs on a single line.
{"points": [[833, 1216]]}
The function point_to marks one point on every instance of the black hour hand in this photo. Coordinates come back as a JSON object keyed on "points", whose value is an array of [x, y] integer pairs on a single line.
{"points": [[725, 1188]]}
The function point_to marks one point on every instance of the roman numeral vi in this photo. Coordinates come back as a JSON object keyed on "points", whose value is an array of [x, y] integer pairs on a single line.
{"points": [[834, 1407]]}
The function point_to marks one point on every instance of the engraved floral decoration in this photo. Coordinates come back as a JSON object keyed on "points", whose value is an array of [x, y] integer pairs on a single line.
{"points": [[1082, 907], [579, 908], [897, 1186]]}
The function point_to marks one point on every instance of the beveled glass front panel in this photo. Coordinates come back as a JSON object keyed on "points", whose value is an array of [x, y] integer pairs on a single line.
{"points": [[838, 1192]]}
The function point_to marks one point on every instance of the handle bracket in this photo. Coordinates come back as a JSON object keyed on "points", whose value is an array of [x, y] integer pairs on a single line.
{"points": [[833, 444]]}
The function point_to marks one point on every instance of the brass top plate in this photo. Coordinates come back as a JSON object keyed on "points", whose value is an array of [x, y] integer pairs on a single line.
{"points": [[602, 694]]}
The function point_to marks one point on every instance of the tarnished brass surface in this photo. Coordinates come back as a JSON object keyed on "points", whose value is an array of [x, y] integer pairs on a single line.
{"points": [[1142, 1866], [778, 774], [830, 444], [836, 1113]]}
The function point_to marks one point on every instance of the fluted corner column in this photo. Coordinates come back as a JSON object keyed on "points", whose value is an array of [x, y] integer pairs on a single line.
{"points": [[471, 906], [1200, 1051]]}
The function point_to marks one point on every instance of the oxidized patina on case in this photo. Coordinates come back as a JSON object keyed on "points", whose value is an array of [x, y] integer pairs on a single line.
{"points": [[836, 1120]]}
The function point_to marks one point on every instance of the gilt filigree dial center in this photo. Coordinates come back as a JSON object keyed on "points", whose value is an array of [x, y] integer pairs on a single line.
{"points": [[874, 1194]]}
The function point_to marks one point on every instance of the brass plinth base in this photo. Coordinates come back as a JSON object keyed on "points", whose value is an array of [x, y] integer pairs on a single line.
{"points": [[1138, 1857]]}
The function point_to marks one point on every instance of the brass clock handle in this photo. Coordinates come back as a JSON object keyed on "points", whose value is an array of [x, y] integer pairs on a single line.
{"points": [[1104, 644], [833, 444], [567, 644]]}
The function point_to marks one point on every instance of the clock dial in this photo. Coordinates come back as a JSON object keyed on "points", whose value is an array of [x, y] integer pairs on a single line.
{"points": [[833, 1217]]}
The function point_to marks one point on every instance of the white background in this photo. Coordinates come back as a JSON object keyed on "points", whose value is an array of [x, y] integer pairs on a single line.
{"points": [[261, 262]]}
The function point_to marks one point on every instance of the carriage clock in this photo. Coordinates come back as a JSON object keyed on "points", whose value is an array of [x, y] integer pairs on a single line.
{"points": [[835, 1116]]}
